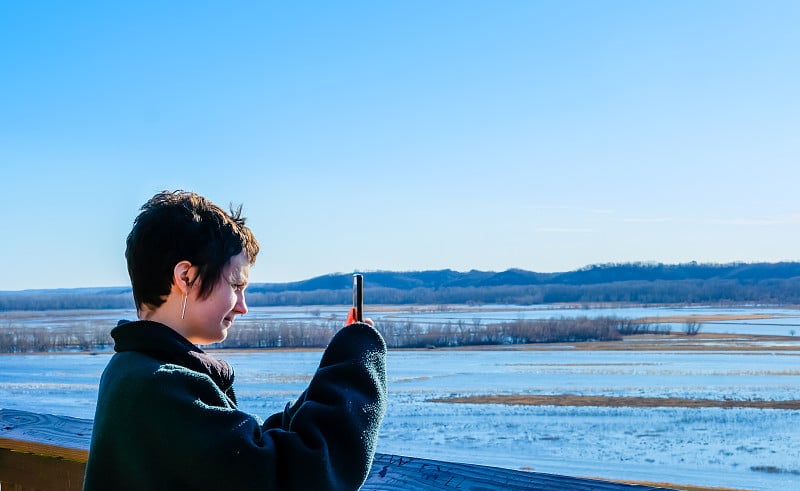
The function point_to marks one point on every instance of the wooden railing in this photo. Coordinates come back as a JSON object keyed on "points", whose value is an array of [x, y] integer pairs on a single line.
{"points": [[45, 452]]}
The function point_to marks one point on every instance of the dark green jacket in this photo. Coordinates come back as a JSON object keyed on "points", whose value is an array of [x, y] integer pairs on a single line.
{"points": [[167, 419]]}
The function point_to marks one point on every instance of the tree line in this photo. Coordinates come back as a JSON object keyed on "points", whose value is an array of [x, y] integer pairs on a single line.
{"points": [[639, 283], [273, 334], [781, 292]]}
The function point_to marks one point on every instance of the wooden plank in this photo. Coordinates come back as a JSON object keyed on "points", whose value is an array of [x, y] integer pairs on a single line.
{"points": [[395, 473], [26, 471], [45, 434], [58, 441]]}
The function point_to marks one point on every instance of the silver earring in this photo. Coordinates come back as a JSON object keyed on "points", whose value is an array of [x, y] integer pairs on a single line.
{"points": [[183, 310]]}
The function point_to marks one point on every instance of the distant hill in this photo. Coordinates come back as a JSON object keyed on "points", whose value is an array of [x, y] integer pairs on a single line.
{"points": [[619, 282], [590, 275]]}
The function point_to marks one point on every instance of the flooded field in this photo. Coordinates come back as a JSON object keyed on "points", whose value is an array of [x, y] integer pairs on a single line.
{"points": [[736, 447]]}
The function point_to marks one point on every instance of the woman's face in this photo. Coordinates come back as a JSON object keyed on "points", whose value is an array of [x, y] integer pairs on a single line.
{"points": [[208, 319]]}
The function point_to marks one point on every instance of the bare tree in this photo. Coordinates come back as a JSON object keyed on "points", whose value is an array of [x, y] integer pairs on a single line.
{"points": [[691, 328]]}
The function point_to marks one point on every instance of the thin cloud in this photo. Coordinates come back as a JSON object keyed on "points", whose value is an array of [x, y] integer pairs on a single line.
{"points": [[647, 219], [579, 209], [563, 230], [757, 222]]}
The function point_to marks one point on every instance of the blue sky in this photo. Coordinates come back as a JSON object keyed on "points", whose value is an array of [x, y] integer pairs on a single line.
{"points": [[543, 135]]}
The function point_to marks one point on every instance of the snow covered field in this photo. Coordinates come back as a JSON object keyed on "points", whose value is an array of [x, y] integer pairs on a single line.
{"points": [[756, 449], [743, 448]]}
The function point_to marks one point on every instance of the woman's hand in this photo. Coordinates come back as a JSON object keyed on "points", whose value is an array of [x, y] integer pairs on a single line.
{"points": [[351, 318]]}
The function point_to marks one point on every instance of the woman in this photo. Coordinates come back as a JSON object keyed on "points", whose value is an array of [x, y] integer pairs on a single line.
{"points": [[166, 413]]}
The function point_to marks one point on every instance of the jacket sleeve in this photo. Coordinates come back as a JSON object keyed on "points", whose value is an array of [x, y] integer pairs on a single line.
{"points": [[325, 441], [338, 416]]}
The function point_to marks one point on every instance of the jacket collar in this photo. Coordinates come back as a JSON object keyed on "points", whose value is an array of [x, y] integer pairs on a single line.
{"points": [[165, 344]]}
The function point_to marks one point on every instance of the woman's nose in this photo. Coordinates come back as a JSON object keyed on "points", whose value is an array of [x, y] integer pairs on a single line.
{"points": [[241, 305]]}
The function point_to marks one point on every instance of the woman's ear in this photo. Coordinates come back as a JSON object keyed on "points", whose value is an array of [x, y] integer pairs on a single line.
{"points": [[183, 276]]}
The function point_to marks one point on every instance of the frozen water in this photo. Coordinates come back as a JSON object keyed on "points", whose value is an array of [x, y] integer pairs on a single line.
{"points": [[709, 446], [740, 448]]}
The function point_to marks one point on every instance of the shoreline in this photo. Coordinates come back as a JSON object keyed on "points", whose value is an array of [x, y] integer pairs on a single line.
{"points": [[570, 400], [668, 341], [673, 341]]}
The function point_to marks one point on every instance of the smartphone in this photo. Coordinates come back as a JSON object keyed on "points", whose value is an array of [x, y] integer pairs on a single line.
{"points": [[358, 296]]}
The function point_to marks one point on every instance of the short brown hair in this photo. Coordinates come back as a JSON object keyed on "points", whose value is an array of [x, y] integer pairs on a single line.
{"points": [[174, 226]]}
